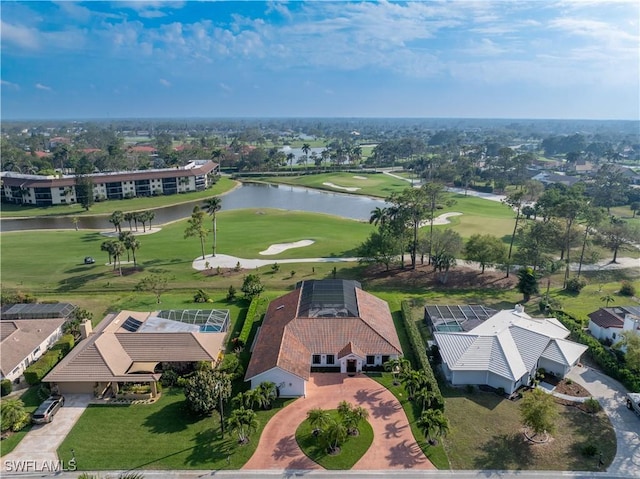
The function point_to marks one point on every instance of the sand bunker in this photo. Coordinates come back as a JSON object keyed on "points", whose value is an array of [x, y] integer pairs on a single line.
{"points": [[279, 248], [441, 220], [360, 177], [345, 188]]}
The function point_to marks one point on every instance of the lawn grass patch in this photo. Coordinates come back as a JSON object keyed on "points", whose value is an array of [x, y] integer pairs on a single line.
{"points": [[59, 267], [486, 433], [163, 435], [376, 184], [10, 210], [350, 451]]}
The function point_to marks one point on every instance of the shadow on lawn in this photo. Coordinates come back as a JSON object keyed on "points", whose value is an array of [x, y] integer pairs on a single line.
{"points": [[173, 417], [506, 451]]}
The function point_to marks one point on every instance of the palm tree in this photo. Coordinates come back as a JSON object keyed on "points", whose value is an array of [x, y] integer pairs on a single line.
{"points": [[150, 217], [124, 239], [306, 148], [398, 367], [196, 227], [607, 298], [243, 422], [268, 392], [118, 249], [433, 423], [128, 217], [427, 399], [108, 247], [379, 216], [335, 435], [290, 157], [318, 418], [116, 218], [131, 243], [212, 206], [352, 416], [413, 381]]}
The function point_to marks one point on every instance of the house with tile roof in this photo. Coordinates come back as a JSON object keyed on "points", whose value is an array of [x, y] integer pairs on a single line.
{"points": [[506, 350], [607, 324], [23, 341], [131, 347], [323, 325]]}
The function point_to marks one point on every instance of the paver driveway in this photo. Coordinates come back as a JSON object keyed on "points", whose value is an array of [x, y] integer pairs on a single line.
{"points": [[393, 444]]}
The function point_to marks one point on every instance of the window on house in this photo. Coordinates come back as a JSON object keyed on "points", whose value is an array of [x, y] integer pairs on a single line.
{"points": [[385, 359], [316, 359], [331, 359], [371, 359], [613, 335]]}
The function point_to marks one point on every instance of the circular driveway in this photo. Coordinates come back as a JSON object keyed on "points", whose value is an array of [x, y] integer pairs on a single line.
{"points": [[393, 447]]}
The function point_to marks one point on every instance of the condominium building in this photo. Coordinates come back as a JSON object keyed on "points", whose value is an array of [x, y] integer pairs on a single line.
{"points": [[58, 190]]}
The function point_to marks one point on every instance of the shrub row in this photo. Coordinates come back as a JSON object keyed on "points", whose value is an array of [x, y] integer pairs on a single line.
{"points": [[249, 319], [5, 387], [599, 353], [38, 370], [419, 348]]}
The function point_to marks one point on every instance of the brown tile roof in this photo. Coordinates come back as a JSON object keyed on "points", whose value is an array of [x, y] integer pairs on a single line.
{"points": [[350, 348], [109, 353], [288, 342], [269, 344], [20, 337], [606, 318]]}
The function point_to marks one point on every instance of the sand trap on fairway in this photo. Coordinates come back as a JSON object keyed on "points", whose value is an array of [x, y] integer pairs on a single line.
{"points": [[360, 178], [441, 220], [345, 188], [279, 248], [115, 234]]}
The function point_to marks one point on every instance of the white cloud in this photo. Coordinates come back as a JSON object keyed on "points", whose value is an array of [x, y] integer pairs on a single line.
{"points": [[8, 84], [40, 86], [164, 82], [225, 87], [19, 35], [74, 10]]}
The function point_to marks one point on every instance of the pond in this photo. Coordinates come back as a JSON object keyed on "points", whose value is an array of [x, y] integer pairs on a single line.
{"points": [[249, 195]]}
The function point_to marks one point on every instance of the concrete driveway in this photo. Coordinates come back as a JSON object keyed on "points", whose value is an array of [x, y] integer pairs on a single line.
{"points": [[393, 447], [611, 395], [41, 443]]}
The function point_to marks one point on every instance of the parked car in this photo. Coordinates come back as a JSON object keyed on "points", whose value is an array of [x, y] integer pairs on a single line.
{"points": [[47, 410], [89, 260], [633, 402]]}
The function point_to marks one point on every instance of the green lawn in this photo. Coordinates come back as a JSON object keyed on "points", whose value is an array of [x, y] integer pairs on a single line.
{"points": [[350, 451], [107, 207], [58, 266], [163, 435], [486, 434], [373, 184]]}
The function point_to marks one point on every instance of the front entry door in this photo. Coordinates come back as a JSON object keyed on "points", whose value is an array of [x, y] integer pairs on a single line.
{"points": [[351, 366]]}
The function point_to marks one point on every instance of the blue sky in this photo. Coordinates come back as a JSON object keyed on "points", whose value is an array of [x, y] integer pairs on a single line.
{"points": [[477, 59]]}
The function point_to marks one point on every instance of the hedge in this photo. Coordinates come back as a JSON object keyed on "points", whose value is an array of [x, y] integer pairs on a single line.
{"points": [[38, 370], [5, 387], [419, 349], [252, 312], [598, 352]]}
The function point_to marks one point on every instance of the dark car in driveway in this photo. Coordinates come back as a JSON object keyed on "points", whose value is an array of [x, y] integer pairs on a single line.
{"points": [[47, 410]]}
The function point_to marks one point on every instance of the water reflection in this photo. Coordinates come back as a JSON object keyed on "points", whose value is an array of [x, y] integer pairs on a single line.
{"points": [[249, 195]]}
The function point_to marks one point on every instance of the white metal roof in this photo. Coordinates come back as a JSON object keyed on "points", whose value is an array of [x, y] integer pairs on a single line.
{"points": [[508, 344]]}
